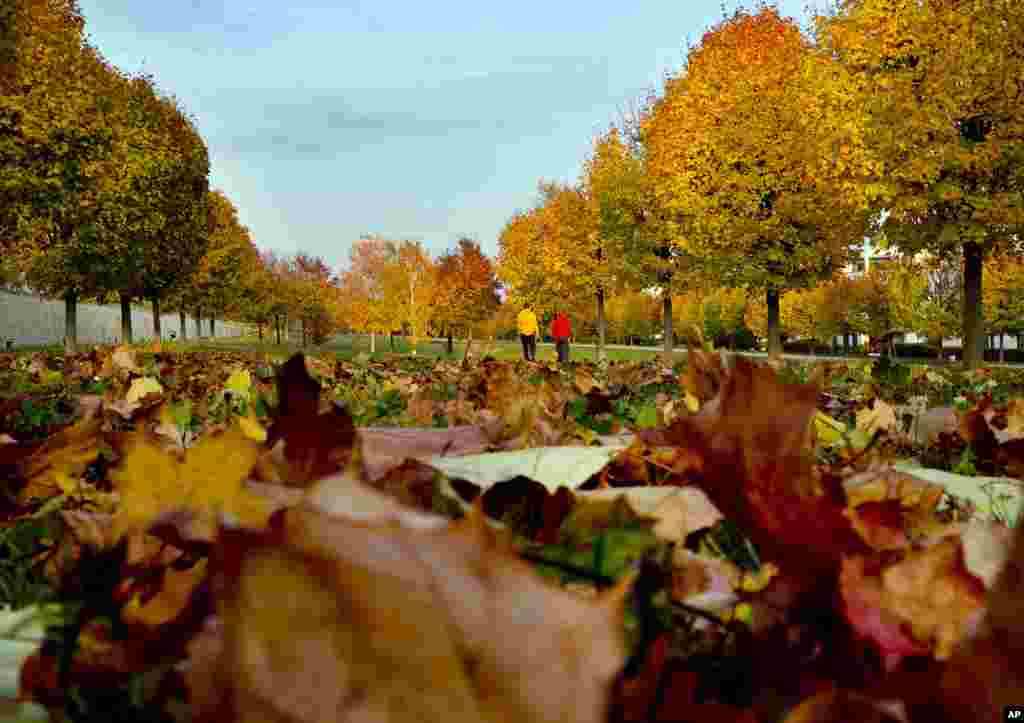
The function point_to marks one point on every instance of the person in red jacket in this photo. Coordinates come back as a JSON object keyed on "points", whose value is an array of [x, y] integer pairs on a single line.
{"points": [[560, 332]]}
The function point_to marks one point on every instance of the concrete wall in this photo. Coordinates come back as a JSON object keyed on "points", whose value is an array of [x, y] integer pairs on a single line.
{"points": [[31, 320]]}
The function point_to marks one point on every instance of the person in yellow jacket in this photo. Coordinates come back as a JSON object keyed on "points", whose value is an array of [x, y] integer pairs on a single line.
{"points": [[527, 323]]}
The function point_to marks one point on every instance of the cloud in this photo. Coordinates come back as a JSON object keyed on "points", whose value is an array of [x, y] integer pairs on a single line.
{"points": [[521, 99]]}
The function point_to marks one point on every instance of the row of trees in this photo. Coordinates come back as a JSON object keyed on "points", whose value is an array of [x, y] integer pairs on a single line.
{"points": [[771, 154], [104, 192], [394, 285]]}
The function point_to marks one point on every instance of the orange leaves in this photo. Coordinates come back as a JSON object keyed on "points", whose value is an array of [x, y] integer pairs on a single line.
{"points": [[732, 146], [466, 286], [548, 254]]}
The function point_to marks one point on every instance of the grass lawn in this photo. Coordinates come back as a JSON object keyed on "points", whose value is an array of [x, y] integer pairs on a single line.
{"points": [[345, 347]]}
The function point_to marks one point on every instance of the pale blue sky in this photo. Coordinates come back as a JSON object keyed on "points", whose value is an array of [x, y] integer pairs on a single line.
{"points": [[424, 120]]}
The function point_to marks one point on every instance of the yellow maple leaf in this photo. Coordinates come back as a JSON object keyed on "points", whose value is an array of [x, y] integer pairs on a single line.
{"points": [[210, 480], [142, 387], [239, 383]]}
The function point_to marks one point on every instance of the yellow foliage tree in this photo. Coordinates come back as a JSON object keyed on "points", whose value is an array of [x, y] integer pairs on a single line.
{"points": [[734, 150], [933, 88]]}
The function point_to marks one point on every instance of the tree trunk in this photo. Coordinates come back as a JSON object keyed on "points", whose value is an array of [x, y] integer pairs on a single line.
{"points": [[451, 345], [70, 322], [158, 331], [774, 330], [601, 326], [1002, 348], [199, 324], [182, 325], [126, 318], [213, 331], [972, 319], [666, 322], [373, 342], [259, 331], [277, 328]]}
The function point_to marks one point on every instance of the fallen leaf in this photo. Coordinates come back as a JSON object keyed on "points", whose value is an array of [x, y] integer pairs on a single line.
{"points": [[677, 511], [209, 481], [315, 445], [239, 383], [922, 603], [434, 625], [142, 387], [123, 360], [888, 508], [881, 417], [61, 459]]}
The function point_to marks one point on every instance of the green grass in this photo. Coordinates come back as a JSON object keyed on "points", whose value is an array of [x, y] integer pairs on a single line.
{"points": [[346, 347]]}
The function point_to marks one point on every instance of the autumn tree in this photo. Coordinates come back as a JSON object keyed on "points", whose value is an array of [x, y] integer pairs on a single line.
{"points": [[314, 293], [1003, 293], [408, 281], [362, 303], [521, 267], [466, 289], [632, 314], [939, 102], [733, 152], [58, 155], [50, 113], [389, 285], [216, 280], [176, 201], [614, 186], [546, 254]]}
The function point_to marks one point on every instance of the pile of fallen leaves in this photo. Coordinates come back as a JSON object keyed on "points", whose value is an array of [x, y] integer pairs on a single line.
{"points": [[225, 537]]}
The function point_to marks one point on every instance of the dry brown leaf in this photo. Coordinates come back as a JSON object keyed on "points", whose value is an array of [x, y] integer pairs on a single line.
{"points": [[339, 620], [386, 447], [925, 602], [315, 445]]}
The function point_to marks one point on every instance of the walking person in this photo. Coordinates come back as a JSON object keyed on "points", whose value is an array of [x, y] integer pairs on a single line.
{"points": [[527, 323], [561, 331]]}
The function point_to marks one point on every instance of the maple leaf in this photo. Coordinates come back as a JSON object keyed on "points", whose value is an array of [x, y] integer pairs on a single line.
{"points": [[436, 625], [208, 481], [57, 464], [922, 603], [888, 507], [315, 445], [748, 449]]}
